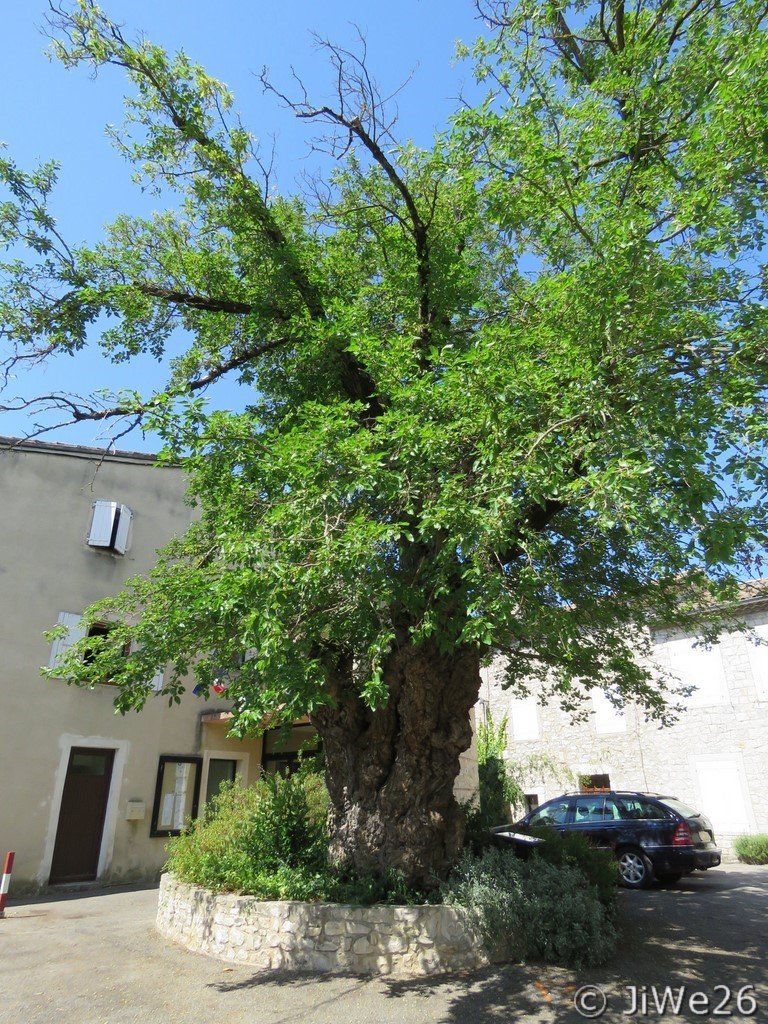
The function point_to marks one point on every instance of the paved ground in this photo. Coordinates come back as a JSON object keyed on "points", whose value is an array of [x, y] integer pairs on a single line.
{"points": [[96, 959]]}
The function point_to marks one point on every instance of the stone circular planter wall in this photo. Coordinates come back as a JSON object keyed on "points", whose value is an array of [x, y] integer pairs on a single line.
{"points": [[410, 940]]}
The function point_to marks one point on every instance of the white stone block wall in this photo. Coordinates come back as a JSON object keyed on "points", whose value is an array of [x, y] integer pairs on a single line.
{"points": [[715, 757], [410, 941]]}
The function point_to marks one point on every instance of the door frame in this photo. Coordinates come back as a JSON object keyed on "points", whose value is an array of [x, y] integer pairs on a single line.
{"points": [[66, 742]]}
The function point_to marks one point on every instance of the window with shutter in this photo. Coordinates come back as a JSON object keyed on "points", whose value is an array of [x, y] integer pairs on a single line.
{"points": [[110, 526], [74, 633], [607, 717], [701, 668]]}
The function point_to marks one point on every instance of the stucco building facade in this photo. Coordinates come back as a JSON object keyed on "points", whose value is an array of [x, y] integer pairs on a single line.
{"points": [[90, 794]]}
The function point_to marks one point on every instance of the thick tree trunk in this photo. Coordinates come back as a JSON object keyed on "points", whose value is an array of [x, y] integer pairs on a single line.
{"points": [[391, 772]]}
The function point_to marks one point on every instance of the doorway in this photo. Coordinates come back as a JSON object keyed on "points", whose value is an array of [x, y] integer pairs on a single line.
{"points": [[81, 815]]}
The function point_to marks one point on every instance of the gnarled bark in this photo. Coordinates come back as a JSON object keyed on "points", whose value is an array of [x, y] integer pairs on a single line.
{"points": [[391, 772]]}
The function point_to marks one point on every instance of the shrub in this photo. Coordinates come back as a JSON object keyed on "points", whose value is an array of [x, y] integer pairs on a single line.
{"points": [[597, 865], [533, 909], [366, 890], [268, 840], [752, 849]]}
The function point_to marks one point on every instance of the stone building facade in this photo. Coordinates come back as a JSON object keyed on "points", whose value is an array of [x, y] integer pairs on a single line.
{"points": [[714, 757]]}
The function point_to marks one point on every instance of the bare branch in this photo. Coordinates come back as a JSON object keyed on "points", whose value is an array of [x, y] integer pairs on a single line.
{"points": [[365, 123]]}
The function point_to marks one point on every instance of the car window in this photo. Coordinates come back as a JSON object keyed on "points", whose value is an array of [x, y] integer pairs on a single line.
{"points": [[595, 808], [637, 809], [611, 812], [680, 807], [553, 813], [589, 808]]}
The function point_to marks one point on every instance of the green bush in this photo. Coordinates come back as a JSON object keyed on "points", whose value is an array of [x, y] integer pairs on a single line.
{"points": [[597, 865], [752, 849], [366, 890], [533, 909], [268, 840]]}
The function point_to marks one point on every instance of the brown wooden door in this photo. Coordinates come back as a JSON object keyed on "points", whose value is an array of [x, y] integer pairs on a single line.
{"points": [[81, 817]]}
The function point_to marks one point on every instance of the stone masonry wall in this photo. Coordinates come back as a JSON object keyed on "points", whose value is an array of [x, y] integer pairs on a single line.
{"points": [[321, 937], [639, 754]]}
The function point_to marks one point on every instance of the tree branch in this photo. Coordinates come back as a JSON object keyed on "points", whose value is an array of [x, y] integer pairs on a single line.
{"points": [[361, 86], [215, 157], [194, 301]]}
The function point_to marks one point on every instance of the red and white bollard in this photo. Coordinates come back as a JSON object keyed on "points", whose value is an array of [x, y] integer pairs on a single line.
{"points": [[5, 882]]}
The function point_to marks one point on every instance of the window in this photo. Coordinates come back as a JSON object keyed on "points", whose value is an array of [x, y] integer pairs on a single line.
{"points": [[758, 661], [589, 808], [76, 631], [282, 747], [220, 770], [102, 629], [595, 808], [608, 718], [637, 809], [110, 525], [553, 813], [525, 718], [594, 783], [177, 793]]}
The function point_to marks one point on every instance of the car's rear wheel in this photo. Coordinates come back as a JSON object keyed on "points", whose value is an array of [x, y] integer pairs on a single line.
{"points": [[635, 868]]}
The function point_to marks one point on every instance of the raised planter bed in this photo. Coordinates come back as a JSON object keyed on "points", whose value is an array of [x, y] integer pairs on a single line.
{"points": [[323, 937]]}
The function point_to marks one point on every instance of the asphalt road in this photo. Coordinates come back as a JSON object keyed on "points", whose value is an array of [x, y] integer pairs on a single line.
{"points": [[96, 959]]}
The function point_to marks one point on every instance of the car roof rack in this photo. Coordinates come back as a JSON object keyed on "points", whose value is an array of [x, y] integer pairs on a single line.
{"points": [[617, 792]]}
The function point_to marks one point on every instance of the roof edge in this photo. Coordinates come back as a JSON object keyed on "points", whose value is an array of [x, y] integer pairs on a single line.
{"points": [[78, 451]]}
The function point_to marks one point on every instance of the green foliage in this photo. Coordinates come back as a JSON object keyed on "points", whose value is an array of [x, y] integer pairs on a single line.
{"points": [[497, 787], [268, 839], [752, 849], [501, 386], [367, 889], [502, 781], [564, 849], [533, 910], [508, 392]]}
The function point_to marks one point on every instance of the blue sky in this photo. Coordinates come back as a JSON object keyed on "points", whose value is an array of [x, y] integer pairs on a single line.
{"points": [[50, 113]]}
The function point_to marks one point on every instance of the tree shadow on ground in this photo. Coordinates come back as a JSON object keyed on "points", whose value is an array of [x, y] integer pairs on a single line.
{"points": [[707, 934]]}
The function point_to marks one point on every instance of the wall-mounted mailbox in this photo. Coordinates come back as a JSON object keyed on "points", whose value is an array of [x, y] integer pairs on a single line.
{"points": [[135, 810]]}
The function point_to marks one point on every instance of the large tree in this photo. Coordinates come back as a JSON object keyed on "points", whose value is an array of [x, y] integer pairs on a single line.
{"points": [[508, 392]]}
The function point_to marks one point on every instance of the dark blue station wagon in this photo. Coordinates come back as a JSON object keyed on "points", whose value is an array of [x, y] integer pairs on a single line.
{"points": [[652, 836]]}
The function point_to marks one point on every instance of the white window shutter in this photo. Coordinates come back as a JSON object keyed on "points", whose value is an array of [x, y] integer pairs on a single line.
{"points": [[701, 668], [100, 533], [123, 526], [75, 632], [158, 680], [608, 718], [524, 712]]}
